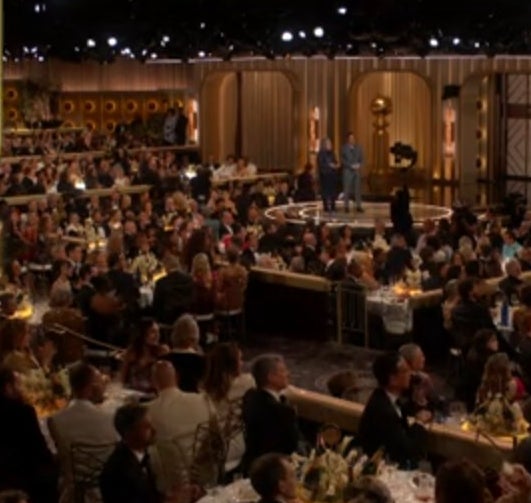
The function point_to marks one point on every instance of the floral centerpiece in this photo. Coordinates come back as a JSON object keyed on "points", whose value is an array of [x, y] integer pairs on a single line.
{"points": [[498, 417], [46, 392], [332, 467]]}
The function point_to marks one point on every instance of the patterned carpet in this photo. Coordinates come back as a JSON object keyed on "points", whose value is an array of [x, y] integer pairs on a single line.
{"points": [[312, 363]]}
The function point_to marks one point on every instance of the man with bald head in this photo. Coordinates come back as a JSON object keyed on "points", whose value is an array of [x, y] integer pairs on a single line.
{"points": [[175, 416]]}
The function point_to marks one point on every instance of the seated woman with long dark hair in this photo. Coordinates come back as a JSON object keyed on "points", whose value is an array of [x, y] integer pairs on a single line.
{"points": [[225, 385], [140, 356]]}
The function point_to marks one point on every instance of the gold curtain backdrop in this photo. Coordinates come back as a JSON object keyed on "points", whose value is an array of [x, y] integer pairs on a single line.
{"points": [[410, 120], [218, 106], [267, 120]]}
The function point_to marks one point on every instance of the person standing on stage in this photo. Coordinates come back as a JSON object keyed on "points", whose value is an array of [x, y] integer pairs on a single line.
{"points": [[327, 165], [351, 162]]}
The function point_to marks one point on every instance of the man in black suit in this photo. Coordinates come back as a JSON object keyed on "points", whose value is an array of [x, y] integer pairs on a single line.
{"points": [[185, 358], [127, 474], [25, 460], [383, 423], [173, 294], [123, 282], [273, 477], [270, 423]]}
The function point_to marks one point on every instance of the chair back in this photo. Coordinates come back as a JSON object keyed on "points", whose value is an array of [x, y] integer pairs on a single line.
{"points": [[351, 312], [209, 454], [87, 461]]}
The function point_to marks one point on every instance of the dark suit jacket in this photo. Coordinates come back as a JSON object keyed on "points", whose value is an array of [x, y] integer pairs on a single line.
{"points": [[190, 368], [125, 285], [25, 460], [270, 426], [172, 297], [381, 426], [467, 318], [123, 479]]}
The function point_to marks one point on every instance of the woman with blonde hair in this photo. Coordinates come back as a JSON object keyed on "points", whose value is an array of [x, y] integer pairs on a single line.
{"points": [[204, 294], [15, 351]]}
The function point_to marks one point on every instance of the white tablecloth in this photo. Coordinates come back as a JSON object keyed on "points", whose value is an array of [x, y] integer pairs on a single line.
{"points": [[402, 484], [397, 314]]}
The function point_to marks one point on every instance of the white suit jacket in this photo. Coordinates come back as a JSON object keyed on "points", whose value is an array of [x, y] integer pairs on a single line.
{"points": [[175, 416]]}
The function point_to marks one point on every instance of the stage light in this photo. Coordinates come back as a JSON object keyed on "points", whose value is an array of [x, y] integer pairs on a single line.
{"points": [[201, 54], [125, 51], [165, 39], [318, 32], [434, 42], [91, 42], [112, 41], [37, 8], [477, 45], [153, 55], [342, 10], [202, 25], [302, 34], [456, 41], [287, 36]]}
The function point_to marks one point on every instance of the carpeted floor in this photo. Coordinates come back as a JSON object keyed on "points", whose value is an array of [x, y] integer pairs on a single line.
{"points": [[312, 363]]}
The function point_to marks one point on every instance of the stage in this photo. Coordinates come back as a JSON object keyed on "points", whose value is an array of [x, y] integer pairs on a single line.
{"points": [[301, 213]]}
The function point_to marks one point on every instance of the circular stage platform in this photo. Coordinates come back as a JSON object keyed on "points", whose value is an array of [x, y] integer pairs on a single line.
{"points": [[300, 213]]}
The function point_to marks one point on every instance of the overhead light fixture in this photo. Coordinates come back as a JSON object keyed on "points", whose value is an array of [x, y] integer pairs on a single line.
{"points": [[153, 55], [201, 54], [477, 45], [434, 42], [202, 25], [165, 39], [302, 34], [112, 41], [342, 10], [456, 41], [125, 51], [91, 42], [318, 31], [287, 36]]}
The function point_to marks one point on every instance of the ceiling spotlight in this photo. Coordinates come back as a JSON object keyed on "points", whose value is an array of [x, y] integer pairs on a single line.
{"points": [[125, 51], [434, 42], [201, 54], [477, 45], [202, 25], [76, 48], [318, 32], [287, 36], [153, 55], [112, 41], [144, 52], [456, 41], [302, 34], [342, 10], [40, 59], [37, 8], [91, 42], [165, 39]]}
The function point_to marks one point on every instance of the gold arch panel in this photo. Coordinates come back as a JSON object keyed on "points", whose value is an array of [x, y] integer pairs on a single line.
{"points": [[410, 120]]}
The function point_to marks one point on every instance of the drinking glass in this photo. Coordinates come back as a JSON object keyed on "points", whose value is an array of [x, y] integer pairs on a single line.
{"points": [[457, 412]]}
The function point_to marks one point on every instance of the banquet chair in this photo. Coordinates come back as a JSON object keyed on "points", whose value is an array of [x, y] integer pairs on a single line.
{"points": [[231, 324], [86, 462], [209, 454], [232, 430]]}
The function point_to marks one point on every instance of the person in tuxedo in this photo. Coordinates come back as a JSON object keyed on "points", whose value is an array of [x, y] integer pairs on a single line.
{"points": [[123, 282], [270, 422], [26, 463], [328, 166], [82, 421], [351, 162], [127, 475], [173, 293], [273, 477], [184, 356], [383, 423]]}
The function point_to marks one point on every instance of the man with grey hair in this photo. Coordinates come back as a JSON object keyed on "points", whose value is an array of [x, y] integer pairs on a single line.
{"points": [[185, 355], [270, 423], [420, 399], [510, 285]]}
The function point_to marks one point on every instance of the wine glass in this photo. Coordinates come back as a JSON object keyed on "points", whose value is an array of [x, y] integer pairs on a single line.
{"points": [[457, 412]]}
